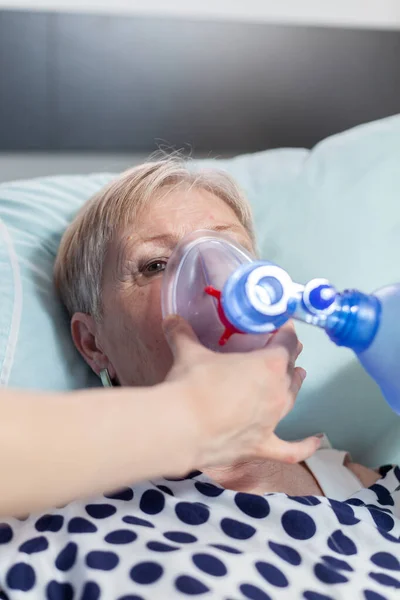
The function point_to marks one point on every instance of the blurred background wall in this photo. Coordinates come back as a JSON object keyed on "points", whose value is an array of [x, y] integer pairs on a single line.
{"points": [[371, 13], [104, 82]]}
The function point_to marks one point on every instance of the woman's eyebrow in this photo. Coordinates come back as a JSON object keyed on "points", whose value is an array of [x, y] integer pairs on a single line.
{"points": [[169, 240]]}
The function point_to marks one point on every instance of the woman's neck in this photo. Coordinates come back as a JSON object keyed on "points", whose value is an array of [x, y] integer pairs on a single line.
{"points": [[264, 476]]}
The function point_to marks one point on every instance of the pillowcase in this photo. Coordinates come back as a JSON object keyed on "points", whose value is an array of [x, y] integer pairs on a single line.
{"points": [[334, 212], [330, 212], [36, 350]]}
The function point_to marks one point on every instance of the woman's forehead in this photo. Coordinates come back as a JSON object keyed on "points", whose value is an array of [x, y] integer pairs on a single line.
{"points": [[182, 204], [163, 221], [177, 213]]}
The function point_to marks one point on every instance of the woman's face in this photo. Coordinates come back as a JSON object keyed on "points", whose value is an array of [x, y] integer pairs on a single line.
{"points": [[130, 335]]}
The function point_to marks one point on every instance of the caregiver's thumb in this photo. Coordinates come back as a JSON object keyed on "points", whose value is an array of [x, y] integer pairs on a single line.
{"points": [[236, 400], [181, 338]]}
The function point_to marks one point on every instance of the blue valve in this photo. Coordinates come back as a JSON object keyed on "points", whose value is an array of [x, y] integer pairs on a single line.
{"points": [[318, 295]]}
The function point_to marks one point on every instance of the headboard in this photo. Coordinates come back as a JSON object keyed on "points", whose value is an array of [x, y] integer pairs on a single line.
{"points": [[104, 83]]}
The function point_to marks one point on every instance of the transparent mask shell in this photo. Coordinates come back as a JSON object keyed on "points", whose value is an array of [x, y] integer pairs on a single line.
{"points": [[205, 258]]}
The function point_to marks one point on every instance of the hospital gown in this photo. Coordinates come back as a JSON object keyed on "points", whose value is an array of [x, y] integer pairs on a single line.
{"points": [[189, 538]]}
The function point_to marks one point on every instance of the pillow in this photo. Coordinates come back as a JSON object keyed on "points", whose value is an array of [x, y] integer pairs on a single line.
{"points": [[329, 212], [36, 350], [333, 212]]}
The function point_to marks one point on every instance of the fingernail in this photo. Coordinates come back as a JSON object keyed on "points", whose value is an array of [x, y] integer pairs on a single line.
{"points": [[319, 435]]}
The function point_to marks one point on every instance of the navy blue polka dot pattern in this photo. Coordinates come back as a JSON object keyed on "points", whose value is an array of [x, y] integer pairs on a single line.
{"points": [[202, 504], [326, 574], [316, 596], [21, 577], [355, 502], [385, 560], [336, 563], [67, 557], [59, 591], [91, 591], [165, 489], [252, 505], [152, 502], [370, 595], [49, 523], [146, 573], [208, 489], [190, 537], [99, 559], [385, 579], [100, 511], [137, 521], [237, 529], [380, 508], [344, 513], [161, 547], [306, 500], [272, 574], [121, 536], [192, 513], [287, 553], [383, 495], [180, 537], [298, 524], [382, 519], [210, 564], [389, 537], [190, 586], [81, 525], [6, 533], [225, 548], [341, 543], [37, 544], [125, 494], [253, 593]]}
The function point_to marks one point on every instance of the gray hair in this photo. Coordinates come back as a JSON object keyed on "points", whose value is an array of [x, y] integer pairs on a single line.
{"points": [[80, 260]]}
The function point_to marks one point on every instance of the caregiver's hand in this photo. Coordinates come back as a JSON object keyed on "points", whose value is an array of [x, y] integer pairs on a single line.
{"points": [[213, 409], [239, 399]]}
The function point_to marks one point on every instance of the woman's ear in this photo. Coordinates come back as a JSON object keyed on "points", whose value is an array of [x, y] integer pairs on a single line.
{"points": [[84, 335]]}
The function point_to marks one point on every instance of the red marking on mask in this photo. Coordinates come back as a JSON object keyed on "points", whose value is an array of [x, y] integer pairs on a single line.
{"points": [[229, 328]]}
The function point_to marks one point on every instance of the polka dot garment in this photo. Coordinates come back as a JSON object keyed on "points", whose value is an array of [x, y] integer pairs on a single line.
{"points": [[191, 538]]}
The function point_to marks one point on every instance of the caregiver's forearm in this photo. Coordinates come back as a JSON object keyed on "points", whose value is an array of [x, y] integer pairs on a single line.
{"points": [[57, 447]]}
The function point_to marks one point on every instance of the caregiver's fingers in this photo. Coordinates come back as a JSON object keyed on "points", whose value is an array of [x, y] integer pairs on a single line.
{"points": [[286, 340], [297, 378], [181, 338], [290, 452]]}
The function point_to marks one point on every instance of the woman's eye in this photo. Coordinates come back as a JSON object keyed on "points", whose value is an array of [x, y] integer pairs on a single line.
{"points": [[154, 267]]}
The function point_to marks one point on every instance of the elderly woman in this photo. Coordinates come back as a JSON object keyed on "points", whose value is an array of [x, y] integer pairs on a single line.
{"points": [[257, 528]]}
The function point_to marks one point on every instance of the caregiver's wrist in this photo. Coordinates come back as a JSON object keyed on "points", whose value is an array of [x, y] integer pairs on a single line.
{"points": [[200, 439], [182, 415]]}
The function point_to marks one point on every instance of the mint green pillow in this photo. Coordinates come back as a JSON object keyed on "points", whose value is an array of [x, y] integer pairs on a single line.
{"points": [[334, 212], [36, 350], [331, 212]]}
